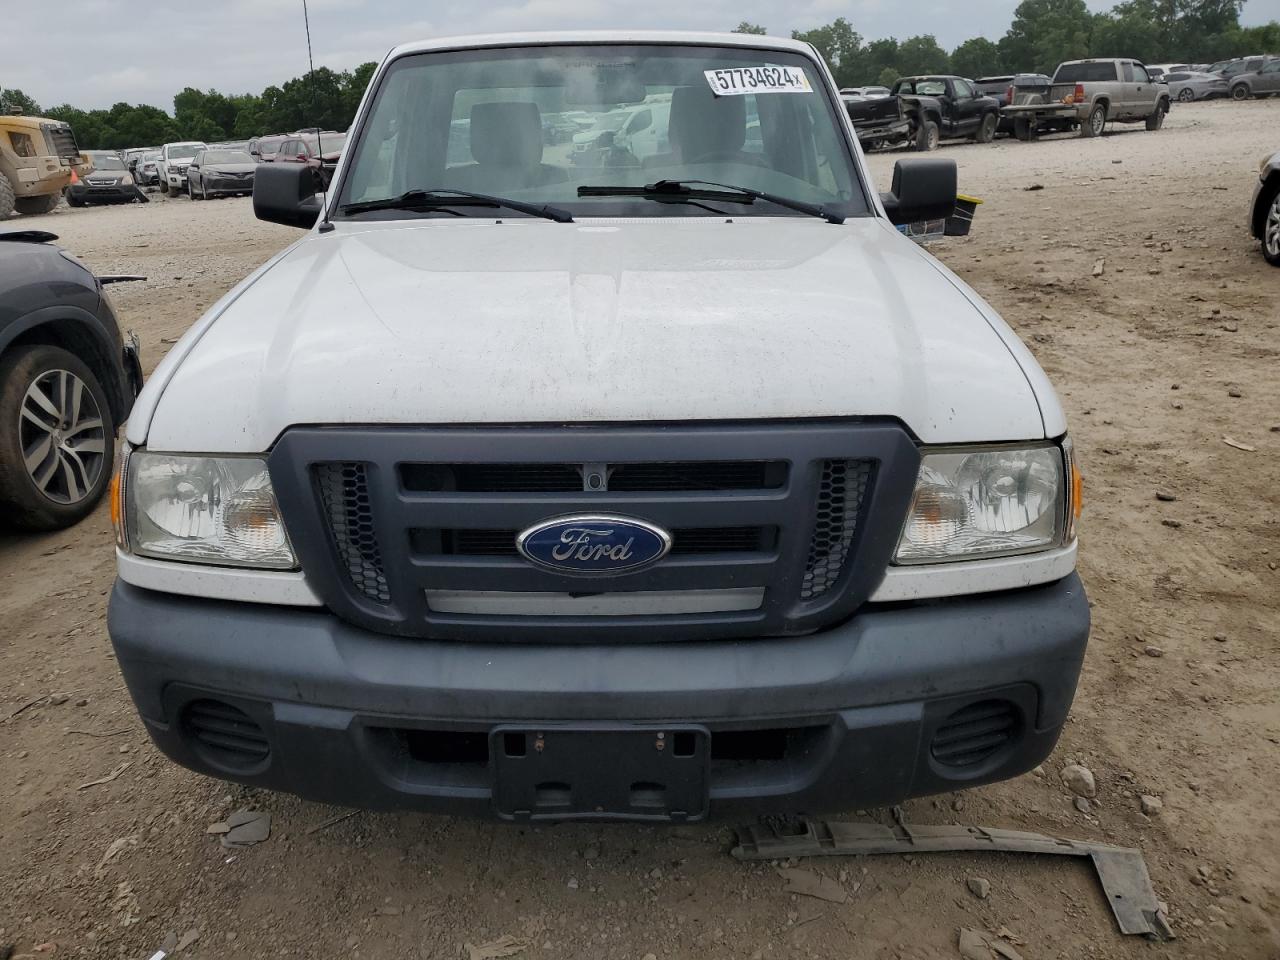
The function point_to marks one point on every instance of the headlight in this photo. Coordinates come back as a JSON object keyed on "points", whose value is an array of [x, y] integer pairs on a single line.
{"points": [[204, 510], [174, 169], [986, 503], [126, 181]]}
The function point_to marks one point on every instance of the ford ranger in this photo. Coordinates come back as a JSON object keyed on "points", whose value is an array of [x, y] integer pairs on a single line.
{"points": [[658, 489]]}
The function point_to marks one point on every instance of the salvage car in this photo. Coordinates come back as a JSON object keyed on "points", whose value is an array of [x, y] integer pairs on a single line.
{"points": [[1264, 218], [220, 173], [1263, 82], [108, 182], [174, 160], [148, 170], [547, 492], [1188, 86], [923, 111], [1089, 94], [68, 379]]}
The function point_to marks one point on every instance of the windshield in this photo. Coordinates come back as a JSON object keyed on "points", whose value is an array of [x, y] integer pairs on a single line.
{"points": [[108, 163], [326, 142], [183, 151], [923, 88], [536, 123], [226, 156]]}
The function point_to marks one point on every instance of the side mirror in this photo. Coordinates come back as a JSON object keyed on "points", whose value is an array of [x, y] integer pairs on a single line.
{"points": [[285, 194], [922, 190]]}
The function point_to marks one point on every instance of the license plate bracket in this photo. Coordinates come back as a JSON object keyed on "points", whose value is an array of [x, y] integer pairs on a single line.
{"points": [[643, 773]]}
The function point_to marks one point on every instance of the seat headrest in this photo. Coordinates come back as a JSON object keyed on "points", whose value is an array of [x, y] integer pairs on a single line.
{"points": [[703, 124], [506, 134]]}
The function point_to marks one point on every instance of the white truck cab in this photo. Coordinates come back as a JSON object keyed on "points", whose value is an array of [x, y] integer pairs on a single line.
{"points": [[648, 489]]}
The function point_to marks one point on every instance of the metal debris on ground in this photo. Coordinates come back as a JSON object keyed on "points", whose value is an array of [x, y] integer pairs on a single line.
{"points": [[504, 946], [976, 945], [332, 821], [1121, 870], [806, 883], [109, 777], [243, 828], [1238, 445]]}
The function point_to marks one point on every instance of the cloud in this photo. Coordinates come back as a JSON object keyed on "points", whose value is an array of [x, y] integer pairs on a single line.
{"points": [[97, 52]]}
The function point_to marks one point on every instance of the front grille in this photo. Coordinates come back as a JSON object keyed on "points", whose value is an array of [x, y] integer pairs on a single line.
{"points": [[840, 495], [344, 494], [386, 519], [225, 735], [569, 477], [502, 543], [974, 734], [62, 141]]}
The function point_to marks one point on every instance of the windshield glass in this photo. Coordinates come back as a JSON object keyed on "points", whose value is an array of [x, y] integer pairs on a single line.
{"points": [[226, 156], [923, 88], [108, 163], [327, 142], [536, 123], [184, 151]]}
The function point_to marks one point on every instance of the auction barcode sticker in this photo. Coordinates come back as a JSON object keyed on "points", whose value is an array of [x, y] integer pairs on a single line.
{"points": [[740, 81]]}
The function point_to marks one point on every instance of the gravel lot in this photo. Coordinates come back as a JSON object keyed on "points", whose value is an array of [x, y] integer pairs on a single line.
{"points": [[1171, 349]]}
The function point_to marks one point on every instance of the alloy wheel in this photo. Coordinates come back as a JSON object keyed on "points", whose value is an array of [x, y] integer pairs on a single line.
{"points": [[63, 437], [1271, 231], [1098, 121], [1186, 95]]}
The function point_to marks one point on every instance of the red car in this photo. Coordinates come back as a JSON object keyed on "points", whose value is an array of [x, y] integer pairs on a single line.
{"points": [[319, 150]]}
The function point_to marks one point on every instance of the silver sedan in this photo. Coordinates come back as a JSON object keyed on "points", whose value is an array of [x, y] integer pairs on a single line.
{"points": [[1187, 86]]}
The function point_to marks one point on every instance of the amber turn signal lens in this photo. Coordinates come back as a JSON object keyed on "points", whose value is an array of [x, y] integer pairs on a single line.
{"points": [[1077, 490]]}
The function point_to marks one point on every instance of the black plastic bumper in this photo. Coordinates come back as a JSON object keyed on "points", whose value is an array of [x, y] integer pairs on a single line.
{"points": [[850, 717]]}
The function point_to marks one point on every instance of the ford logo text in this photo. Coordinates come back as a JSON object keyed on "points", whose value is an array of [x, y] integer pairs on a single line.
{"points": [[594, 546]]}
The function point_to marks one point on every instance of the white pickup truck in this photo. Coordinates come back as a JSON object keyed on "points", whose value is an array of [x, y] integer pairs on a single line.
{"points": [[657, 489]]}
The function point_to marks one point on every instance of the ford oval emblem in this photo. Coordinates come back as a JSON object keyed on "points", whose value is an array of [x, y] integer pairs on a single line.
{"points": [[594, 546]]}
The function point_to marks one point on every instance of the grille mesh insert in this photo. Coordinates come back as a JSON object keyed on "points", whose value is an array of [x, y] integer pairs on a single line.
{"points": [[975, 733], [344, 494], [844, 484], [567, 477]]}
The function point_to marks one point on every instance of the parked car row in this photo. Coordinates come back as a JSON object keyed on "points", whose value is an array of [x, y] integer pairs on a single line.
{"points": [[1083, 94]]}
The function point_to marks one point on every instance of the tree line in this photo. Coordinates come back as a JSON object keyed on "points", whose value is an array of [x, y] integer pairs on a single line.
{"points": [[1043, 34], [323, 98]]}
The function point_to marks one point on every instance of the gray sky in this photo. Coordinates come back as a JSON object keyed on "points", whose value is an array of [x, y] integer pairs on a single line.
{"points": [[93, 53]]}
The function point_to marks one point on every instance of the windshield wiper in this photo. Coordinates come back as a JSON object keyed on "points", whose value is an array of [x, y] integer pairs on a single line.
{"points": [[676, 191], [439, 199]]}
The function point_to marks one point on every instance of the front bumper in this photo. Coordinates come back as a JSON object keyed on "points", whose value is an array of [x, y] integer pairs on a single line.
{"points": [[846, 718], [84, 192], [897, 130]]}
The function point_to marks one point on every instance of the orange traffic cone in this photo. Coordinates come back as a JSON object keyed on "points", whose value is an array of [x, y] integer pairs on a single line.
{"points": [[74, 179]]}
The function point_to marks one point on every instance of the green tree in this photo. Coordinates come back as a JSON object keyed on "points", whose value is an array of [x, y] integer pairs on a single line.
{"points": [[12, 99], [978, 57], [840, 45], [917, 55], [1044, 33], [888, 77], [752, 28], [354, 84], [877, 57], [1118, 34]]}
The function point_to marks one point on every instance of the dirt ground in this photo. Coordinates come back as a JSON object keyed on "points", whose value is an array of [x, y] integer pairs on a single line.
{"points": [[1172, 349]]}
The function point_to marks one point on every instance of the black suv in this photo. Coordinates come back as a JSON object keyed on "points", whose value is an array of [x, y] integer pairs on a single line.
{"points": [[67, 381]]}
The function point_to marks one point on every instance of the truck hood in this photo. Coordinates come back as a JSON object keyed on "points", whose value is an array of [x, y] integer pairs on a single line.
{"points": [[528, 321]]}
